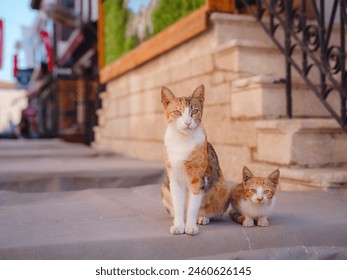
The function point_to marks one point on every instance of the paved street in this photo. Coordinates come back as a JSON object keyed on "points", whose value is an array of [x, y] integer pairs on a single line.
{"points": [[67, 201]]}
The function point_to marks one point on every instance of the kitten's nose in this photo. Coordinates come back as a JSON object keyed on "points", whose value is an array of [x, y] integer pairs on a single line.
{"points": [[187, 123], [260, 199]]}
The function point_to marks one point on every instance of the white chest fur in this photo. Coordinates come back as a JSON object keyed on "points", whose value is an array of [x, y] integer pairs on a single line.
{"points": [[178, 148], [180, 145], [256, 210]]}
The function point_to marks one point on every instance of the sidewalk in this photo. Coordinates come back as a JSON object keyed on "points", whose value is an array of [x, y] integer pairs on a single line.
{"points": [[54, 165], [86, 218]]}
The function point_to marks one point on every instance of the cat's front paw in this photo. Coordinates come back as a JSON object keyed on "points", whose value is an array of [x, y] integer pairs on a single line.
{"points": [[263, 222], [177, 229], [203, 220], [192, 230], [248, 222]]}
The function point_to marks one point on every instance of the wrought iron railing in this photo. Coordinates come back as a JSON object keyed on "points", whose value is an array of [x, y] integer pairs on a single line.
{"points": [[306, 29]]}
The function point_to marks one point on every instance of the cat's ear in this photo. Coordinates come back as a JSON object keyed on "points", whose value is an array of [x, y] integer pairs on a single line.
{"points": [[199, 93], [246, 174], [274, 178], [166, 96]]}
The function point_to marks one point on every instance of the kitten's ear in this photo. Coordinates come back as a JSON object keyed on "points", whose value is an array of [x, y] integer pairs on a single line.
{"points": [[246, 174], [274, 178], [199, 93], [166, 96]]}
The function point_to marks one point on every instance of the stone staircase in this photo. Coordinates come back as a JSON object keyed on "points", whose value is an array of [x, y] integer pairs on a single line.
{"points": [[311, 151], [311, 148]]}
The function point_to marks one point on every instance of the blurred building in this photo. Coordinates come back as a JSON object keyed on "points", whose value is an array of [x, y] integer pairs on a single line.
{"points": [[12, 102], [63, 86]]}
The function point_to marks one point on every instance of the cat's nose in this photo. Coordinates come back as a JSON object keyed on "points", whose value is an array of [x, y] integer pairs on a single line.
{"points": [[260, 199], [187, 123]]}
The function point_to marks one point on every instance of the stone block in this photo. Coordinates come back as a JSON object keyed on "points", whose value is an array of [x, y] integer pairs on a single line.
{"points": [[162, 78], [303, 142], [135, 82], [201, 65], [105, 100], [263, 97], [249, 57], [117, 128], [230, 26], [152, 101], [217, 77], [111, 111], [118, 87], [257, 97], [101, 117], [226, 59], [180, 71], [223, 130], [218, 95], [232, 159], [147, 127], [150, 150], [197, 46], [186, 87], [121, 106], [274, 148]]}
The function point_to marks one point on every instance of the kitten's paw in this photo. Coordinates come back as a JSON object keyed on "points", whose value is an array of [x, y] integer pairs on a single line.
{"points": [[177, 229], [263, 222], [248, 223], [192, 230], [203, 220]]}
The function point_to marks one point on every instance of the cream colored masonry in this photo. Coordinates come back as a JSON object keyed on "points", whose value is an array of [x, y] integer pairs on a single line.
{"points": [[239, 66]]}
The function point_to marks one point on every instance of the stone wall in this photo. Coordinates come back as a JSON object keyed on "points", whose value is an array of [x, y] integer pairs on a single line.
{"points": [[240, 68]]}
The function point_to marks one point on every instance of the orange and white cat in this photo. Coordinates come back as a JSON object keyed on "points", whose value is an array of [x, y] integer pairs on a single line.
{"points": [[254, 199], [194, 190]]}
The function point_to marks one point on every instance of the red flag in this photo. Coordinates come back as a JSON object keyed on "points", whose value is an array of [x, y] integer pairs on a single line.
{"points": [[15, 65], [48, 46], [1, 41]]}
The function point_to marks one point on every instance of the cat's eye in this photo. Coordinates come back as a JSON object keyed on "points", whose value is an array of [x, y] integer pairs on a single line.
{"points": [[194, 112], [177, 113], [266, 191], [253, 190]]}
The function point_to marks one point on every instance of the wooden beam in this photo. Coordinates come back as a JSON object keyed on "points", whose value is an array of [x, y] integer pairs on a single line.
{"points": [[177, 33], [224, 6], [101, 35]]}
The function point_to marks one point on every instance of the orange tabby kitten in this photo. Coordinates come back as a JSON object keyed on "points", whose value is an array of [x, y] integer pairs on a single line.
{"points": [[254, 198], [194, 190]]}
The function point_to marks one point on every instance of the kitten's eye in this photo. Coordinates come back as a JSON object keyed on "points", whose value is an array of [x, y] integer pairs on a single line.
{"points": [[253, 190], [266, 191], [177, 113], [194, 112]]}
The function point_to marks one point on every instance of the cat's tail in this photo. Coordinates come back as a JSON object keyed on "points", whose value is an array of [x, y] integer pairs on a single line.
{"points": [[236, 217]]}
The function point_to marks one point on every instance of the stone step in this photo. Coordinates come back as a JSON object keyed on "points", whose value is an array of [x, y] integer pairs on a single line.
{"points": [[251, 57], [230, 26], [263, 97], [12, 149], [237, 52], [299, 178], [66, 174], [301, 142], [53, 165]]}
